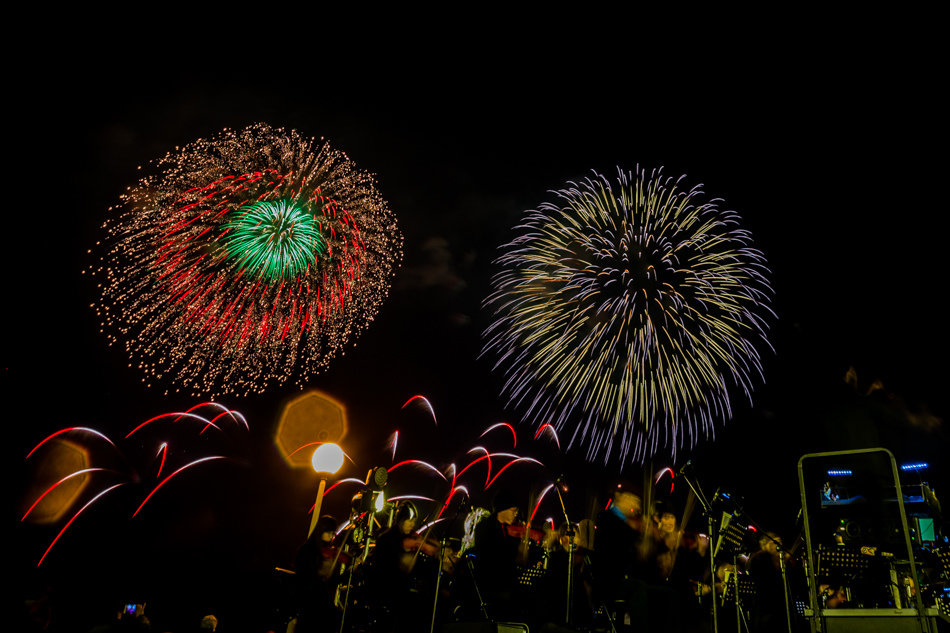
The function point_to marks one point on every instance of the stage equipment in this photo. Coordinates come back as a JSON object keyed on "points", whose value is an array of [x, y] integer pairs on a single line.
{"points": [[729, 545], [738, 586], [874, 620], [731, 536], [943, 555], [529, 574], [847, 560], [873, 498]]}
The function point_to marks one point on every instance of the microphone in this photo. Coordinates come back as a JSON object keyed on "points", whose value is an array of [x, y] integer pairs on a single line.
{"points": [[685, 467]]}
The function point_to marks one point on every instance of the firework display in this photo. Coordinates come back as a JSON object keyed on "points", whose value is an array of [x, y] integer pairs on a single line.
{"points": [[626, 312], [250, 257]]}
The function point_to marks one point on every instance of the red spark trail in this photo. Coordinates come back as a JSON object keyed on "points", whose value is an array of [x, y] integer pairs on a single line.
{"points": [[342, 481], [659, 475], [427, 403], [449, 499], [50, 489], [73, 519], [540, 499], [421, 463], [487, 456], [168, 415], [211, 423], [164, 451], [548, 427], [303, 447], [203, 459], [327, 491], [66, 430], [510, 428], [514, 461]]}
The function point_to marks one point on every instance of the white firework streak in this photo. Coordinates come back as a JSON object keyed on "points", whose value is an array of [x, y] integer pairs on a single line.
{"points": [[627, 312]]}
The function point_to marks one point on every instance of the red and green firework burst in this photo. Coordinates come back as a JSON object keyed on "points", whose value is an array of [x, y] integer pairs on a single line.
{"points": [[251, 257]]}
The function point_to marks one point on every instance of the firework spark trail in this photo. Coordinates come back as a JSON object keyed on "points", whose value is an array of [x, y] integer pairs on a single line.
{"points": [[429, 525], [163, 450], [67, 477], [67, 430], [303, 446], [251, 258], [501, 424], [410, 498], [659, 476], [211, 422], [348, 480], [70, 522], [419, 462], [540, 499], [162, 483], [626, 312], [428, 406], [234, 415], [190, 416], [511, 463], [552, 431], [351, 480], [237, 416], [486, 456], [448, 499]]}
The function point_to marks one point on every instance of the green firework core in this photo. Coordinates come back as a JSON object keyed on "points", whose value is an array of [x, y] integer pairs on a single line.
{"points": [[272, 239]]}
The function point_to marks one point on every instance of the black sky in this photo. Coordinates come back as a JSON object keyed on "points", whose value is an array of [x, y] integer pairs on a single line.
{"points": [[825, 146]]}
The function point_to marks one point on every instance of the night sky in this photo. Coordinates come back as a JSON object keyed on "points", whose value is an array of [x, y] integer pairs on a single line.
{"points": [[826, 151]]}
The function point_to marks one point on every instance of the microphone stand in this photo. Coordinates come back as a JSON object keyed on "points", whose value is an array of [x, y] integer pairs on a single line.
{"points": [[438, 579], [482, 605], [782, 569], [781, 562], [570, 556], [731, 587], [346, 600], [603, 604], [707, 509]]}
